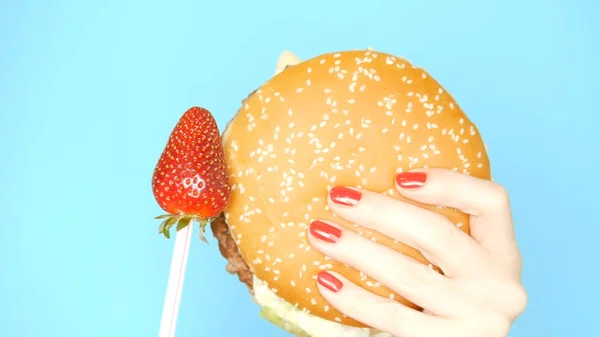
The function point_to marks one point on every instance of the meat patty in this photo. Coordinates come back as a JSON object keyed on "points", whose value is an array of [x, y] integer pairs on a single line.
{"points": [[230, 251]]}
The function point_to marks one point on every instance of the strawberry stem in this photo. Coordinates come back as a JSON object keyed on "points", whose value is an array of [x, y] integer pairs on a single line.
{"points": [[181, 221], [202, 225]]}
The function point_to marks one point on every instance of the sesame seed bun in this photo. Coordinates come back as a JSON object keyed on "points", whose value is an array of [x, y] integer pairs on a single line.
{"points": [[354, 118]]}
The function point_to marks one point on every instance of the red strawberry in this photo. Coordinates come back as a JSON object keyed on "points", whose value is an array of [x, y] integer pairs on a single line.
{"points": [[190, 181]]}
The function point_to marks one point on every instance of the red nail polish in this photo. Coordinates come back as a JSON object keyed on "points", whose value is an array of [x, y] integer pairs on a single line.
{"points": [[344, 196], [324, 231], [411, 179], [329, 281]]}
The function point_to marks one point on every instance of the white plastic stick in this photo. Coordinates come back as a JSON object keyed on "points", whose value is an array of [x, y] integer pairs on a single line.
{"points": [[181, 251]]}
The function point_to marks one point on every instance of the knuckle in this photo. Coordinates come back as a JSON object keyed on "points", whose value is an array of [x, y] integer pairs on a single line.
{"points": [[517, 295], [499, 196]]}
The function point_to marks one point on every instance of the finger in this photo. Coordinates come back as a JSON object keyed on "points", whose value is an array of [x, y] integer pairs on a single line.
{"points": [[436, 237], [507, 298], [375, 311], [486, 202], [416, 282]]}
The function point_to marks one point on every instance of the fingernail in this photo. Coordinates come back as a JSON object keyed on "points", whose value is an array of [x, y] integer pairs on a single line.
{"points": [[324, 231], [344, 196], [411, 179], [329, 281]]}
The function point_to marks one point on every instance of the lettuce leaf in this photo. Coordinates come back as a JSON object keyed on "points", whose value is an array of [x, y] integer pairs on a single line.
{"points": [[271, 315]]}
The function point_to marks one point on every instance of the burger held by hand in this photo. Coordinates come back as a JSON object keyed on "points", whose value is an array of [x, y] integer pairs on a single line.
{"points": [[362, 205]]}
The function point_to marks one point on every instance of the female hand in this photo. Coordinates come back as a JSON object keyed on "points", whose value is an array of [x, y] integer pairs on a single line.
{"points": [[480, 293]]}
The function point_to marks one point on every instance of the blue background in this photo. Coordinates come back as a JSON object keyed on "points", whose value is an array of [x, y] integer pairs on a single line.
{"points": [[89, 92]]}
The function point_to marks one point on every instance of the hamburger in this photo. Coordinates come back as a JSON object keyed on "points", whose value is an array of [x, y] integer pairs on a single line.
{"points": [[354, 118]]}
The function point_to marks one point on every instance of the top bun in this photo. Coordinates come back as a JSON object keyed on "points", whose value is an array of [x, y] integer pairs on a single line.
{"points": [[354, 118]]}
